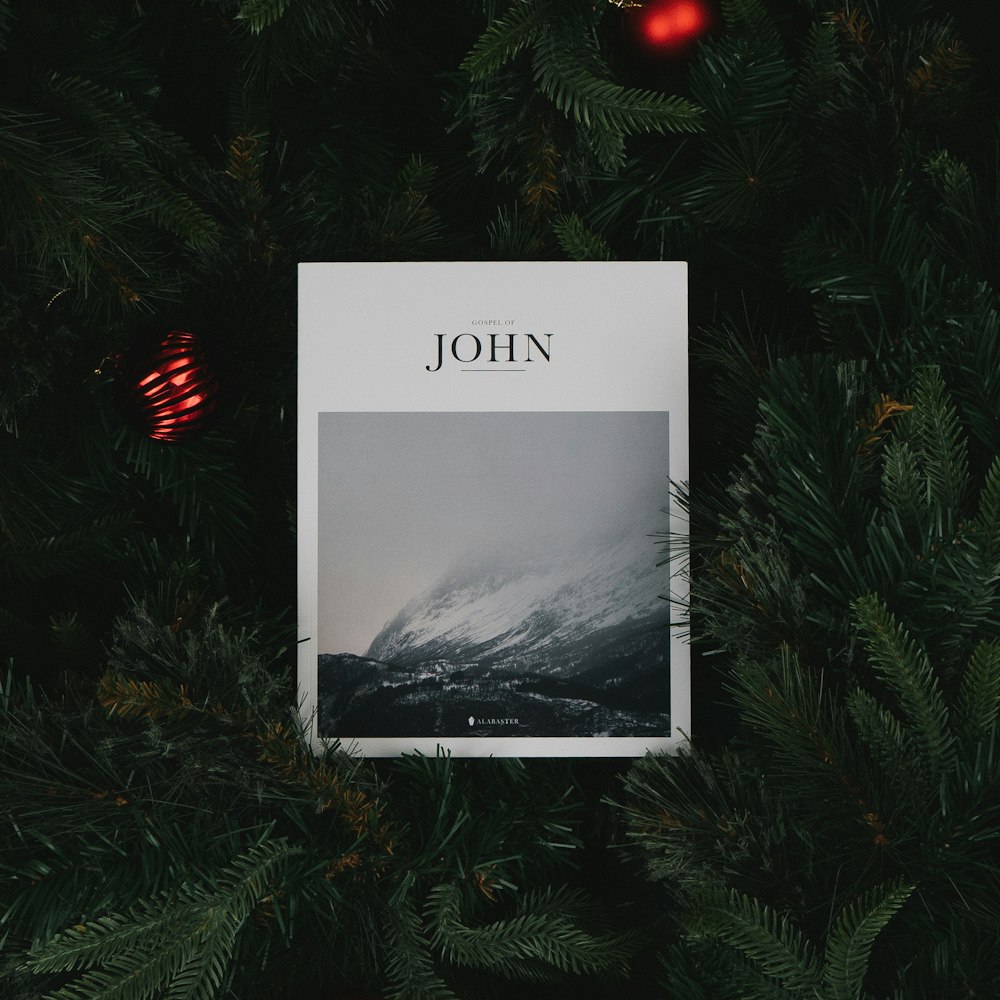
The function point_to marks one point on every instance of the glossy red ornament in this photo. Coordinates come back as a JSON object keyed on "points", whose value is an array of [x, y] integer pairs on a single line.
{"points": [[175, 391], [672, 25]]}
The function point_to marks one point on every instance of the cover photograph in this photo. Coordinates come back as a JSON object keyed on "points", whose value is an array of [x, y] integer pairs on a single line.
{"points": [[486, 452]]}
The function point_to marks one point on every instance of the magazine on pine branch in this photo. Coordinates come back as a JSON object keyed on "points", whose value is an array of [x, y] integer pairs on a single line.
{"points": [[485, 459]]}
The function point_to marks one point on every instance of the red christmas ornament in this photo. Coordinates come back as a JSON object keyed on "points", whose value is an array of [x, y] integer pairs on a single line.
{"points": [[670, 26], [175, 391]]}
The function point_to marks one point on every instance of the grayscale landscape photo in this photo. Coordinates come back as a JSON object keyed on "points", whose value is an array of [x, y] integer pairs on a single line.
{"points": [[493, 574]]}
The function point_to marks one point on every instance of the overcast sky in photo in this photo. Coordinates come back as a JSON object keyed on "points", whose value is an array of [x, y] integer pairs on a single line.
{"points": [[403, 496]]}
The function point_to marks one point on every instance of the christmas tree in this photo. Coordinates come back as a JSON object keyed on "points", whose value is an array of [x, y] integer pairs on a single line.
{"points": [[830, 171]]}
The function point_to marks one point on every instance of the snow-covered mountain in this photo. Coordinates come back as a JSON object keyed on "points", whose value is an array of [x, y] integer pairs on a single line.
{"points": [[554, 615], [569, 643]]}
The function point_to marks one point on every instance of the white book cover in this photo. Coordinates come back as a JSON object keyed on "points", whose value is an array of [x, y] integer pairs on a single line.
{"points": [[485, 459]]}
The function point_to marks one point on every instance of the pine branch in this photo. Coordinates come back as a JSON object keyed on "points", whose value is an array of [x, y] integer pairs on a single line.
{"points": [[705, 969], [291, 38], [891, 748], [750, 17], [179, 942], [819, 71], [744, 171], [944, 451], [513, 234], [796, 713], [607, 147], [987, 522], [409, 968], [741, 82], [898, 660], [953, 181], [279, 746], [404, 225], [702, 819], [73, 550], [979, 695], [598, 103], [577, 241], [816, 492], [504, 39], [768, 940], [137, 145], [858, 256], [259, 14], [52, 190], [81, 868], [137, 977], [903, 487], [850, 941], [544, 930], [198, 479]]}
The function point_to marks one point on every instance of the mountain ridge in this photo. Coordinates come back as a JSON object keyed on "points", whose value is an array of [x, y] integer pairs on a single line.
{"points": [[494, 609]]}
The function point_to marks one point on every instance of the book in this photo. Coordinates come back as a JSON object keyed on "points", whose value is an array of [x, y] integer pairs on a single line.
{"points": [[486, 452]]}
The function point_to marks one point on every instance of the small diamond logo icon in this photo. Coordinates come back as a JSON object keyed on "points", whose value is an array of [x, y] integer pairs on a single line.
{"points": [[472, 720]]}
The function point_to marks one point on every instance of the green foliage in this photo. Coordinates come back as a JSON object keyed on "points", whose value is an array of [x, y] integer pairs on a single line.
{"points": [[513, 235], [95, 216], [743, 81], [609, 107], [851, 939], [546, 54], [404, 225], [390, 219], [191, 480], [503, 39], [768, 941], [944, 451], [30, 346], [905, 668], [909, 766], [979, 695], [867, 624], [545, 931], [777, 951], [185, 938], [259, 14], [578, 242], [225, 841], [820, 71], [811, 522], [705, 819], [410, 966], [885, 263], [284, 39]]}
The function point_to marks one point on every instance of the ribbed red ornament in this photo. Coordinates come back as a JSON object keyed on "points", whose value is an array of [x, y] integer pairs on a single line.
{"points": [[176, 391]]}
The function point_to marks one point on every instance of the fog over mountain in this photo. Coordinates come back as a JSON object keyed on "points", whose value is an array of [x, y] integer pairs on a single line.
{"points": [[406, 497], [535, 612]]}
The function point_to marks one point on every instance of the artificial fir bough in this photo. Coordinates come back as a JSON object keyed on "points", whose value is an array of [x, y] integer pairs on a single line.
{"points": [[863, 710], [229, 842], [183, 939]]}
